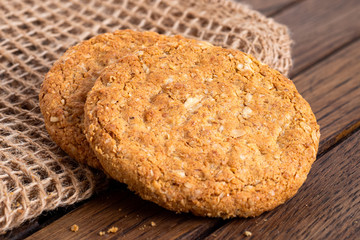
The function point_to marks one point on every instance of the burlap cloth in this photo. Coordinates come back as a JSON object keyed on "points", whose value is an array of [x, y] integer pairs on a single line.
{"points": [[35, 175]]}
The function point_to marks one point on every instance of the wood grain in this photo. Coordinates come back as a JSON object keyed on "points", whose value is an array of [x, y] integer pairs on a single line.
{"points": [[319, 27], [120, 208], [326, 207], [333, 90]]}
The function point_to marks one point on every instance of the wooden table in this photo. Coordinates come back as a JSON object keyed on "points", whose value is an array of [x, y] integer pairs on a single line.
{"points": [[327, 73]]}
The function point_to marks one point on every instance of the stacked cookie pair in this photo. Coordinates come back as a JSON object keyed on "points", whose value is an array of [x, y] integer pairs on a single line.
{"points": [[185, 124]]}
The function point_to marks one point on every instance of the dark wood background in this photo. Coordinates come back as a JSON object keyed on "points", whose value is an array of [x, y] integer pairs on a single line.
{"points": [[326, 72]]}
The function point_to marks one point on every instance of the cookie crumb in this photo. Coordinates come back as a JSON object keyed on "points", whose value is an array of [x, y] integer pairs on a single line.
{"points": [[101, 233], [113, 230], [74, 228], [120, 209], [153, 224], [247, 233]]}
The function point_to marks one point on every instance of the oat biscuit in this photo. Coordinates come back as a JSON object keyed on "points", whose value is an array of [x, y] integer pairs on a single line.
{"points": [[65, 87], [202, 129]]}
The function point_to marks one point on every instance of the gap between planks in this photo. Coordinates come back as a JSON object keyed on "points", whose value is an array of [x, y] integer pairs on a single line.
{"points": [[318, 27]]}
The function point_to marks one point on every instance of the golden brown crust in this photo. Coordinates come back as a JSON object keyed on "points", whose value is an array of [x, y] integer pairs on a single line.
{"points": [[63, 92], [203, 129]]}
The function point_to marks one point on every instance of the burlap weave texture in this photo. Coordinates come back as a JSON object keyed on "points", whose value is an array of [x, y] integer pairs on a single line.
{"points": [[35, 175]]}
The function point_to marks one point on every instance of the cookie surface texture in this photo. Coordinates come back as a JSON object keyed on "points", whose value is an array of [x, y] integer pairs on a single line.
{"points": [[201, 129], [63, 92]]}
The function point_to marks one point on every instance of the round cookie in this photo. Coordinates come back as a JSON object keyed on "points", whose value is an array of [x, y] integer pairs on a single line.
{"points": [[202, 129], [63, 92]]}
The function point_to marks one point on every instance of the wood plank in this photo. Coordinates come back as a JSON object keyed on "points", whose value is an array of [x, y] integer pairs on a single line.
{"points": [[326, 207], [319, 27], [269, 7], [120, 208], [333, 90]]}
